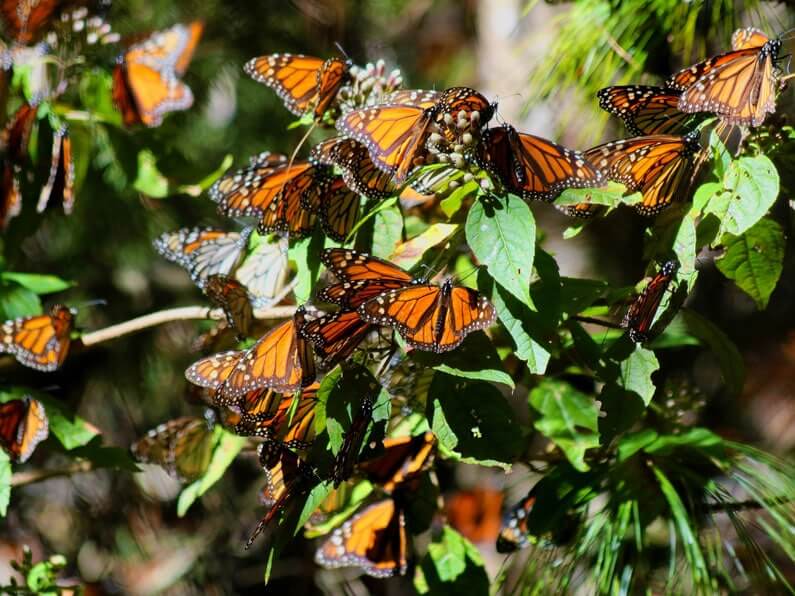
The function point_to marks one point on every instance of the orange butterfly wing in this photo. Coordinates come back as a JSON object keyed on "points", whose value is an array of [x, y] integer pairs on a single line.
{"points": [[645, 110], [353, 266], [23, 425], [211, 372], [358, 170], [640, 314], [40, 342], [330, 79], [296, 431], [11, 200], [514, 532], [230, 295], [374, 539], [146, 83], [658, 166], [748, 37], [24, 18], [281, 360], [61, 180], [394, 135], [335, 336], [403, 459]]}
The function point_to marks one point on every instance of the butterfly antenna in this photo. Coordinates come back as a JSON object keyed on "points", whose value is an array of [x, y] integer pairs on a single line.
{"points": [[95, 302], [342, 51]]}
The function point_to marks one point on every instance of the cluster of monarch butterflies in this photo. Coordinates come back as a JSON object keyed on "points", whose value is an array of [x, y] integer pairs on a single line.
{"points": [[269, 390], [146, 86]]}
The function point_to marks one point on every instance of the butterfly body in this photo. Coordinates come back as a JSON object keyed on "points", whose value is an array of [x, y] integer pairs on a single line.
{"points": [[640, 314]]}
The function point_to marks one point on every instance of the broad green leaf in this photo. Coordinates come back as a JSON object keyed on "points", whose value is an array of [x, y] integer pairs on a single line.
{"points": [[532, 345], [578, 294], [751, 186], [37, 283], [721, 156], [69, 428], [409, 253], [452, 202], [387, 231], [704, 194], [611, 195], [316, 496], [5, 482], [729, 358], [568, 418], [305, 253], [149, 180], [16, 301], [344, 401], [453, 565], [700, 438], [95, 89], [684, 244], [630, 444], [636, 372], [475, 359], [358, 493], [502, 232], [227, 446], [755, 260], [472, 420]]}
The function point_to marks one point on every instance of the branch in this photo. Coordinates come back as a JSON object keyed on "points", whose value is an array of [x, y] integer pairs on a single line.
{"points": [[33, 476], [184, 313]]}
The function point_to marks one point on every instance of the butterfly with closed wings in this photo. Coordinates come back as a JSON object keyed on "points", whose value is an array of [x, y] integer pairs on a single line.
{"points": [[640, 314], [23, 425], [40, 341]]}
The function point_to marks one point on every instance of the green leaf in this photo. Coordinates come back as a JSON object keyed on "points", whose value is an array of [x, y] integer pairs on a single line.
{"points": [[149, 180], [69, 428], [578, 294], [95, 89], [474, 359], [452, 202], [569, 419], [409, 253], [611, 195], [227, 446], [5, 482], [729, 358], [195, 190], [387, 231], [636, 371], [453, 565], [751, 186], [471, 420], [630, 444], [684, 244], [502, 234], [16, 301], [755, 260], [699, 438], [39, 284], [105, 457], [524, 325], [305, 253]]}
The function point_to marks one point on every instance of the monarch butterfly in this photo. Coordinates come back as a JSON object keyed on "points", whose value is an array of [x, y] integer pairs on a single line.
{"points": [[230, 295], [352, 443], [640, 314], [358, 170], [302, 82], [40, 341], [373, 539], [146, 82], [658, 166], [203, 251], [286, 478], [280, 359], [395, 134], [11, 200], [533, 167], [16, 135], [260, 404], [61, 180], [264, 271], [335, 336], [182, 446], [739, 85], [430, 317], [23, 19], [296, 431], [475, 513], [363, 277], [337, 206], [514, 533], [646, 110], [402, 460], [23, 425], [275, 191]]}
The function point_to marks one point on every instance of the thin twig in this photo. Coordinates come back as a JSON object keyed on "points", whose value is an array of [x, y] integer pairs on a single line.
{"points": [[595, 321], [184, 313], [33, 476]]}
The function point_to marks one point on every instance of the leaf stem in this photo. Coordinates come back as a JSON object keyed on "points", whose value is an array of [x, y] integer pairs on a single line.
{"points": [[33, 476]]}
